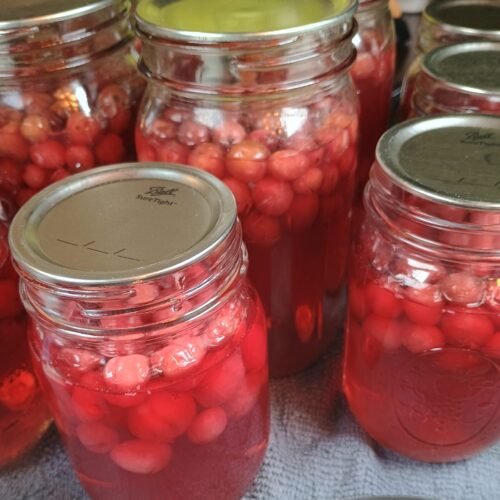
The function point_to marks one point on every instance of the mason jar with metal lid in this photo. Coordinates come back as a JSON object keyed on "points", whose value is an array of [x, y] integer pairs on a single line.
{"points": [[148, 340], [69, 88], [459, 78], [262, 98], [373, 74], [453, 21], [422, 358]]}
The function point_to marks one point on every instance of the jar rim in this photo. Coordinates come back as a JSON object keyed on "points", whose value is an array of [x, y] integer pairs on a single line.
{"points": [[122, 215], [54, 12], [198, 37]]}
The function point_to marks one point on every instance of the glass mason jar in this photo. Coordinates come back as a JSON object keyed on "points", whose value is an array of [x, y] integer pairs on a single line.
{"points": [[275, 116], [451, 21], [458, 78], [373, 74], [23, 413], [69, 88], [151, 348], [422, 359]]}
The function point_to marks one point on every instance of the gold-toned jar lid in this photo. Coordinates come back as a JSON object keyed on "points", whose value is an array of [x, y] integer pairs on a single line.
{"points": [[453, 159], [17, 14], [121, 224], [479, 18], [470, 67]]}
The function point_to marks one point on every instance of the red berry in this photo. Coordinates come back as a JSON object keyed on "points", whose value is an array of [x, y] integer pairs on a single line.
{"points": [[192, 133], [382, 301], [162, 130], [173, 152], [420, 338], [17, 390], [288, 165], [208, 426], [35, 128], [463, 288], [97, 437], [177, 115], [120, 123], [310, 182], [364, 67], [272, 197], [246, 396], [87, 400], [110, 149], [229, 133], [241, 193], [141, 457], [111, 100], [423, 306], [79, 158], [467, 329], [127, 372], [35, 177], [10, 175], [49, 154], [82, 130], [254, 346], [177, 411], [209, 157], [492, 347], [177, 359], [13, 146], [261, 230], [246, 161], [304, 322], [386, 331]]}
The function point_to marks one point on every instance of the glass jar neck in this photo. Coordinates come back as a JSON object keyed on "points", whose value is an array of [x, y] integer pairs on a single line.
{"points": [[38, 49], [251, 66], [155, 305], [430, 227]]}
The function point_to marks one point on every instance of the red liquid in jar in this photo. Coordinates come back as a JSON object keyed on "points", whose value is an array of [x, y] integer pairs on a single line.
{"points": [[188, 421], [293, 195], [421, 368], [23, 413]]}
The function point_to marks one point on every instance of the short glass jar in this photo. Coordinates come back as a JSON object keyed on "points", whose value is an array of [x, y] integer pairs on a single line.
{"points": [[458, 78], [69, 89], [452, 21], [273, 114], [23, 413], [148, 339], [373, 75], [422, 358]]}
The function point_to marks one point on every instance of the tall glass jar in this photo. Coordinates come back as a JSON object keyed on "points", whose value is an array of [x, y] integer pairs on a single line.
{"points": [[373, 74], [148, 339], [274, 115], [458, 78], [422, 359], [69, 88], [23, 413], [452, 21]]}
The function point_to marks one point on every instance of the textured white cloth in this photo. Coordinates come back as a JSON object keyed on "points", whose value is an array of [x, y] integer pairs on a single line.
{"points": [[316, 452]]}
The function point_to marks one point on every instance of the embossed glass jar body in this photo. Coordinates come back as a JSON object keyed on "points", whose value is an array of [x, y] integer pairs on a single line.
{"points": [[23, 413], [152, 352], [69, 89], [274, 116], [451, 21], [421, 370], [373, 75], [459, 78]]}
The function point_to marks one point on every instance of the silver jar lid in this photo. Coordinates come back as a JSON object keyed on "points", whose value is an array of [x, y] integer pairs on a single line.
{"points": [[470, 67], [334, 13], [17, 14], [121, 224], [479, 18], [452, 159]]}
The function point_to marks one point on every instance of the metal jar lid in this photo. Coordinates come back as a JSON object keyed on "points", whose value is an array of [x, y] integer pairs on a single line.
{"points": [[335, 13], [121, 224], [452, 159], [469, 67], [479, 18], [16, 14]]}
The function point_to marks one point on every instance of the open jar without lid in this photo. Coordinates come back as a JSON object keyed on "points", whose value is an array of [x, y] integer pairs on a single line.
{"points": [[452, 21], [458, 78], [148, 339], [261, 97], [422, 349], [68, 90]]}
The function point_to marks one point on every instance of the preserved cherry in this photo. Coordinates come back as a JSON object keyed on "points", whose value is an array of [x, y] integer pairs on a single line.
{"points": [[288, 157], [153, 355], [421, 360], [70, 106]]}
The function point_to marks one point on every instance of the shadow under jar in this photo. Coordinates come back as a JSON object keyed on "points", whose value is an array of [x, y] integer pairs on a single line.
{"points": [[422, 357], [69, 89], [23, 413], [373, 75], [459, 78], [149, 341], [274, 115], [451, 21]]}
